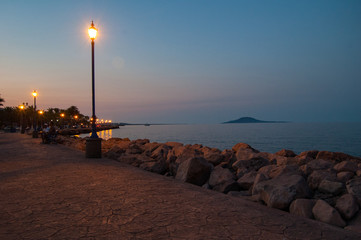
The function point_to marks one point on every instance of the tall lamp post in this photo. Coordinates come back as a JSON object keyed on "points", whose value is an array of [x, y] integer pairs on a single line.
{"points": [[93, 144], [22, 107], [35, 133]]}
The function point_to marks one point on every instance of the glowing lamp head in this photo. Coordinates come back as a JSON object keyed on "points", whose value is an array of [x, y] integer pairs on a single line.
{"points": [[62, 115], [41, 112], [35, 93], [76, 117], [21, 107], [92, 31]]}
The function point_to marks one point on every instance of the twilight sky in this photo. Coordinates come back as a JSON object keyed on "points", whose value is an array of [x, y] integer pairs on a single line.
{"points": [[186, 61]]}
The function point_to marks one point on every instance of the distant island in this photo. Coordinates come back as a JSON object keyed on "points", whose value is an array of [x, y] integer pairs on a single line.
{"points": [[251, 120]]}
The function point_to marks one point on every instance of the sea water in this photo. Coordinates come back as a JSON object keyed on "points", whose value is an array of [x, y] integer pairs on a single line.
{"points": [[266, 137]]}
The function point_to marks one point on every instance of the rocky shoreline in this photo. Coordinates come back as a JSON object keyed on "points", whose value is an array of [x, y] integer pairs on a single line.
{"points": [[320, 185]]}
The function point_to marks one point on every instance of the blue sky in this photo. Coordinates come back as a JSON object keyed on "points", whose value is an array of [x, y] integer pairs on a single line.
{"points": [[186, 61]]}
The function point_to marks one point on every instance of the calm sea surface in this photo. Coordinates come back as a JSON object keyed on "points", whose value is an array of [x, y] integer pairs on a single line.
{"points": [[267, 137]]}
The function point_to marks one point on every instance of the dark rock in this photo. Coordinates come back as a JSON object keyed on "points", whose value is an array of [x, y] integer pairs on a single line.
{"points": [[332, 187], [319, 164], [355, 224], [238, 146], [344, 176], [266, 170], [156, 167], [194, 170], [247, 180], [315, 178], [280, 192], [250, 160], [308, 154], [325, 213], [239, 193], [345, 166], [354, 187], [285, 170], [302, 207], [334, 156], [160, 153], [260, 177], [286, 153], [173, 144], [223, 180], [212, 155], [347, 206], [150, 147]]}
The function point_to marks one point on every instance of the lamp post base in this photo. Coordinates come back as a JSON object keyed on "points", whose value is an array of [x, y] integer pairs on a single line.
{"points": [[93, 148]]}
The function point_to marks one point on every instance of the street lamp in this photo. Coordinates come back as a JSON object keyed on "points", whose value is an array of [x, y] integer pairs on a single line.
{"points": [[41, 112], [35, 133], [93, 144], [22, 107], [62, 115]]}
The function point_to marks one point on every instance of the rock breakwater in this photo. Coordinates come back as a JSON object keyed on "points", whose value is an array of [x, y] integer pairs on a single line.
{"points": [[320, 185]]}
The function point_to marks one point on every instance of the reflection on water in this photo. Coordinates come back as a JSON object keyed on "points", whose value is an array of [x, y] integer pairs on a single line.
{"points": [[105, 134]]}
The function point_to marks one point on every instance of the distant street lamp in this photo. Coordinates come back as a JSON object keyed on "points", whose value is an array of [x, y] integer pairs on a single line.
{"points": [[93, 144], [41, 112], [62, 115], [35, 132], [22, 107]]}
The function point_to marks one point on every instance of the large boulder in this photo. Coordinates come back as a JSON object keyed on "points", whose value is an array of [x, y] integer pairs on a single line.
{"points": [[346, 166], [325, 213], [114, 152], [281, 191], [285, 170], [347, 206], [307, 155], [249, 160], [212, 155], [150, 147], [247, 180], [173, 144], [302, 207], [344, 176], [354, 187], [334, 156], [260, 177], [160, 153], [195, 170], [266, 170], [316, 177], [355, 223], [222, 180], [178, 155], [238, 146], [134, 148], [156, 167], [332, 187], [319, 164], [286, 153]]}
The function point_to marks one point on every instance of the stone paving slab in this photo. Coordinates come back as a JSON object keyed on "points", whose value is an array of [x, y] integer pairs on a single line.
{"points": [[54, 192]]}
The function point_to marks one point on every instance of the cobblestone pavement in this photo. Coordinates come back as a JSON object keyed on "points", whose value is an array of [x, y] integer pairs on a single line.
{"points": [[54, 192]]}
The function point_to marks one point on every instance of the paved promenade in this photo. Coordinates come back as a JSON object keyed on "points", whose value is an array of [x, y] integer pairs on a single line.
{"points": [[54, 192]]}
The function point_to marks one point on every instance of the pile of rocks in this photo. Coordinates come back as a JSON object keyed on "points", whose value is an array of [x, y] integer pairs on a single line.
{"points": [[320, 185]]}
